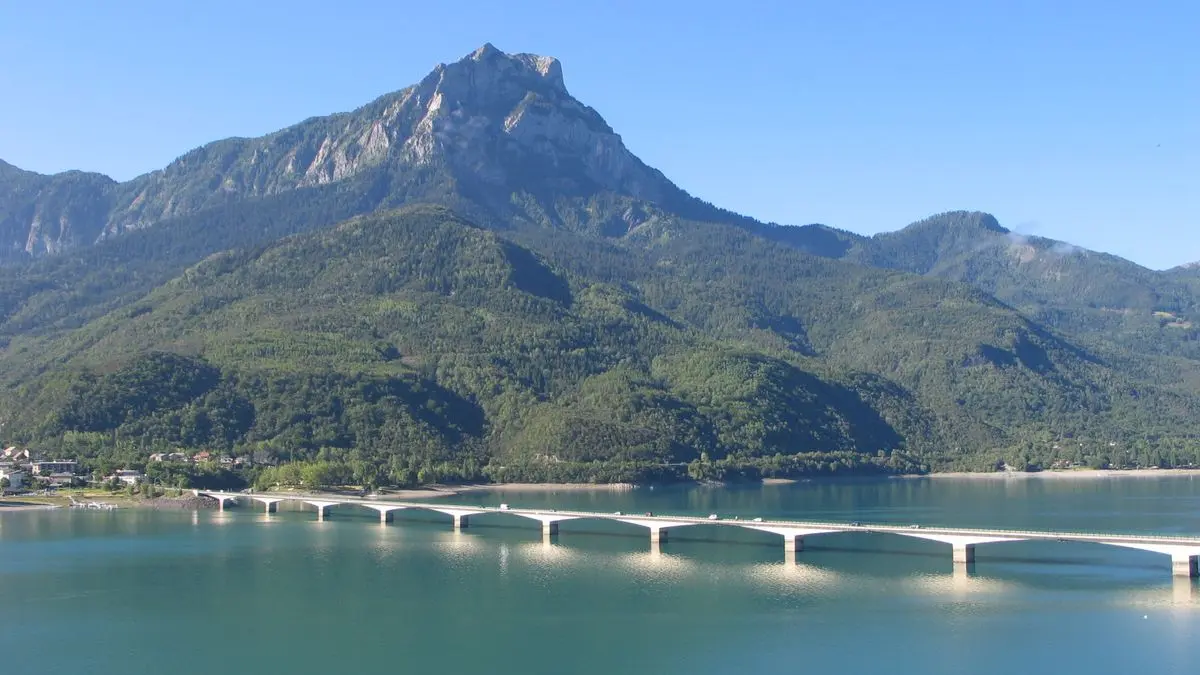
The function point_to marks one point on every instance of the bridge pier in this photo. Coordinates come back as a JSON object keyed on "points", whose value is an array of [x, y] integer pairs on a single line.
{"points": [[269, 505], [549, 529], [1184, 591], [322, 509], [961, 575], [793, 543], [658, 535], [385, 511], [1185, 565], [461, 521], [221, 501], [964, 553]]}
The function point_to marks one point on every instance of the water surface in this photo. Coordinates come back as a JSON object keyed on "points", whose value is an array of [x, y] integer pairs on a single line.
{"points": [[150, 592]]}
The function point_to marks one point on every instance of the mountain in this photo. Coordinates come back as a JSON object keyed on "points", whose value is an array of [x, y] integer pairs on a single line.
{"points": [[1105, 301], [473, 278], [499, 132], [413, 345], [48, 214], [412, 335]]}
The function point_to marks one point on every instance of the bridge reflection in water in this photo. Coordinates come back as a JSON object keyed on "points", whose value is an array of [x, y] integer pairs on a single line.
{"points": [[1183, 551]]}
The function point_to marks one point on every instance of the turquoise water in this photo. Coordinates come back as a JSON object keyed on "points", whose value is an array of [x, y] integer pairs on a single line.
{"points": [[150, 592]]}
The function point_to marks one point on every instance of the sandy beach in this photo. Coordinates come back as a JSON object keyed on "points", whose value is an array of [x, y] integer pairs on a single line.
{"points": [[6, 506], [546, 487]]}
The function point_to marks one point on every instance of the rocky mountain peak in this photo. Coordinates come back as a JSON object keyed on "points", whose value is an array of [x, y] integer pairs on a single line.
{"points": [[488, 80], [547, 68], [508, 119], [504, 124]]}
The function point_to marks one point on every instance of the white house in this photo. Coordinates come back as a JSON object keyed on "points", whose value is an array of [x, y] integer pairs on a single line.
{"points": [[16, 478], [129, 476]]}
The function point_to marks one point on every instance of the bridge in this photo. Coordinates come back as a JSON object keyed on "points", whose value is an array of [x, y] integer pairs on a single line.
{"points": [[1184, 551]]}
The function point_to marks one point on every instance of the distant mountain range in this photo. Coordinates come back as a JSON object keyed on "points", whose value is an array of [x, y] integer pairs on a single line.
{"points": [[474, 278]]}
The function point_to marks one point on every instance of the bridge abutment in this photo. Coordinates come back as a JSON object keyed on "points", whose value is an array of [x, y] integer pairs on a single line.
{"points": [[1184, 565]]}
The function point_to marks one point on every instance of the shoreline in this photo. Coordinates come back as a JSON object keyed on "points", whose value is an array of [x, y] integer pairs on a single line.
{"points": [[1059, 474], [546, 487], [186, 501], [439, 491]]}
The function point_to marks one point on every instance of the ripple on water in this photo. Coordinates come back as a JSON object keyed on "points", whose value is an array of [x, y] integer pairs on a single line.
{"points": [[790, 578], [654, 565]]}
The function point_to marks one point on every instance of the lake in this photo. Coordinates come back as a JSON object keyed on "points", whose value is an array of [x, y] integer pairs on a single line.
{"points": [[139, 591]]}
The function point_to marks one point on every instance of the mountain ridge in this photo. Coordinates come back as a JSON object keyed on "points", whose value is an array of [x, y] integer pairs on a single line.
{"points": [[479, 119], [483, 244]]}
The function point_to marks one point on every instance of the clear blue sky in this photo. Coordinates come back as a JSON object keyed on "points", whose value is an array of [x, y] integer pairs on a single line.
{"points": [[1077, 120]]}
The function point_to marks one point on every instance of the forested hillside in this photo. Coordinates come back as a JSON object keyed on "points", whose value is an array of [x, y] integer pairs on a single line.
{"points": [[415, 346]]}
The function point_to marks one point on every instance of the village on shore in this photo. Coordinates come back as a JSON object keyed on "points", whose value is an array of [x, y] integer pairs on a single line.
{"points": [[23, 470]]}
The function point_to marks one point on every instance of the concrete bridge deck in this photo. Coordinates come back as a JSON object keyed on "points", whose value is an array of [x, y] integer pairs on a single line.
{"points": [[1183, 550]]}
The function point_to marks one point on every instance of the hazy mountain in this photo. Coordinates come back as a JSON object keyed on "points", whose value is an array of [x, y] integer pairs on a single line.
{"points": [[1098, 297]]}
